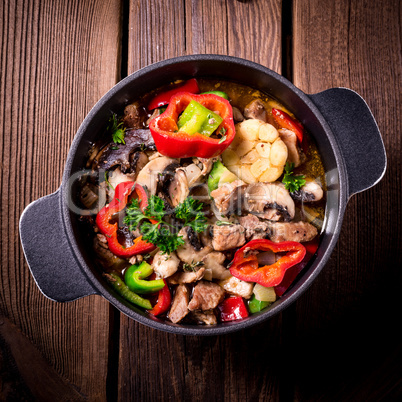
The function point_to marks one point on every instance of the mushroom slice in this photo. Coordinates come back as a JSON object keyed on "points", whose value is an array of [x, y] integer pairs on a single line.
{"points": [[214, 262], [269, 201], [119, 154], [310, 192], [256, 110], [193, 174], [148, 176], [165, 265], [138, 160], [186, 277], [295, 155], [228, 197], [207, 164], [191, 252], [178, 189]]}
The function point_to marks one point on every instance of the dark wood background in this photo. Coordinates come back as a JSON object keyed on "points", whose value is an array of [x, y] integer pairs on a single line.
{"points": [[341, 341]]}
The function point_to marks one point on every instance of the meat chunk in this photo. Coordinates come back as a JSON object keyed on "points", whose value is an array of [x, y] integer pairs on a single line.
{"points": [[226, 237], [204, 317], [229, 197], [214, 262], [292, 231], [295, 155], [179, 305], [238, 287], [186, 277], [256, 110], [206, 296], [165, 265], [255, 229], [132, 116]]}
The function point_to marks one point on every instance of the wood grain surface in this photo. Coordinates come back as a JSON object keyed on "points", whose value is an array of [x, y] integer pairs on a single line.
{"points": [[340, 341]]}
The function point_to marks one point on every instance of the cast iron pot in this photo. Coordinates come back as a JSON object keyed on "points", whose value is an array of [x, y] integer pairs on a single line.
{"points": [[339, 119]]}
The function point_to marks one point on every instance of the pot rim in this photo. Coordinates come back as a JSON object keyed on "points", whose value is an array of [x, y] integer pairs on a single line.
{"points": [[284, 301]]}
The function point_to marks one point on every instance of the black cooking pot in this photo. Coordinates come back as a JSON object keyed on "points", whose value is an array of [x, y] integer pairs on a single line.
{"points": [[339, 119]]}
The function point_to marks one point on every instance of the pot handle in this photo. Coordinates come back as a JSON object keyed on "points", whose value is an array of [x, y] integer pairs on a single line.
{"points": [[51, 261], [357, 135]]}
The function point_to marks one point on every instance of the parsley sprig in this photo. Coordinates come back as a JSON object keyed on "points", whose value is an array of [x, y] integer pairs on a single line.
{"points": [[291, 181], [117, 129], [159, 232]]}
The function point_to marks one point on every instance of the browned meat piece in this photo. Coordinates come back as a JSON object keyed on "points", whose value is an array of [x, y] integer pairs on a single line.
{"points": [[204, 317], [229, 197], [206, 296], [132, 116], [255, 229], [214, 263], [186, 277], [292, 231], [179, 305], [295, 154], [226, 237], [256, 110]]}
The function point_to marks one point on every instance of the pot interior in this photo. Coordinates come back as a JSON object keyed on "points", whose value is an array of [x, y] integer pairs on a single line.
{"points": [[230, 69]]}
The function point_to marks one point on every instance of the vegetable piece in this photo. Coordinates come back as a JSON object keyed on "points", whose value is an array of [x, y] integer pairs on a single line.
{"points": [[285, 121], [222, 94], [232, 308], [121, 195], [116, 129], [158, 232], [135, 279], [291, 274], [164, 97], [125, 292], [255, 305], [263, 293], [164, 300], [172, 142], [214, 177], [198, 119], [292, 183], [245, 264]]}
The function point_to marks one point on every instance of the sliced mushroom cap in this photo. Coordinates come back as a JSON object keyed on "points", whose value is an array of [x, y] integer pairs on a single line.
{"points": [[187, 252], [178, 188], [295, 154], [149, 175], [269, 201], [119, 154], [116, 177], [138, 161], [256, 110], [214, 262], [310, 192]]}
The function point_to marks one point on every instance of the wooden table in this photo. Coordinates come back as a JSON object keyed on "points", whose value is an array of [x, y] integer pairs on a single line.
{"points": [[341, 341]]}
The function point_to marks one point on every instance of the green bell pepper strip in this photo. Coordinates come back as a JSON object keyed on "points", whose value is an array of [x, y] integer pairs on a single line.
{"points": [[215, 175], [134, 278], [255, 305], [222, 94], [122, 289], [196, 118]]}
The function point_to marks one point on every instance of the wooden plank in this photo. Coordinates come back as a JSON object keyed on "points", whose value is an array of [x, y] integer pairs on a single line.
{"points": [[154, 365], [346, 332], [57, 60]]}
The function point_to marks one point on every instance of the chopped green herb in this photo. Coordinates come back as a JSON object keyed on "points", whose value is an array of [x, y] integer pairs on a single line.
{"points": [[159, 232], [222, 139], [117, 129], [192, 267], [107, 180], [222, 223], [292, 182]]}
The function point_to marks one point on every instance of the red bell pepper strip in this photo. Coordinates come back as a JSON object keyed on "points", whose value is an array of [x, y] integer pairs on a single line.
{"points": [[177, 144], [121, 195], [164, 300], [232, 308], [245, 264], [291, 273], [164, 98], [285, 121]]}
